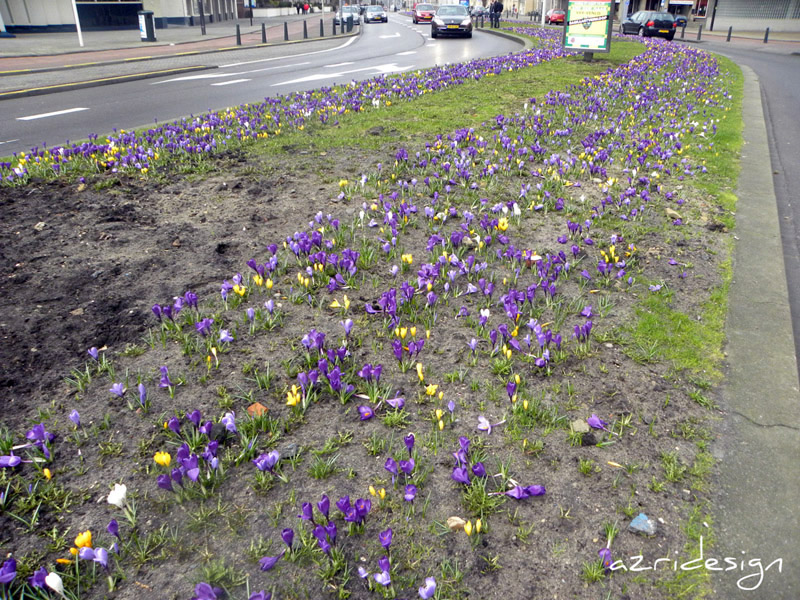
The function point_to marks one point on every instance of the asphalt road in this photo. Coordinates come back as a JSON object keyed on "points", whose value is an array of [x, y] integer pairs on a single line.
{"points": [[233, 78]]}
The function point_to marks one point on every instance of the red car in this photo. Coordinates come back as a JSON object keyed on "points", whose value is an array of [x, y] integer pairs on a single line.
{"points": [[554, 16], [423, 13]]}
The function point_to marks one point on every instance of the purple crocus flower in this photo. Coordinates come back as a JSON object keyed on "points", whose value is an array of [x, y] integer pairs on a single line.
{"points": [[407, 466], [229, 420], [331, 530], [347, 325], [118, 390], [385, 538], [269, 561], [164, 482], [8, 571], [410, 493], [343, 504], [306, 512], [113, 528], [94, 353], [460, 475], [75, 418], [225, 336], [324, 505], [479, 470], [426, 591], [101, 557], [267, 462], [142, 394], [587, 311], [38, 578], [262, 595], [204, 327], [605, 556], [203, 591], [165, 381], [396, 403], [391, 466], [287, 535], [409, 442], [10, 461], [365, 413], [174, 425], [596, 422], [383, 578]]}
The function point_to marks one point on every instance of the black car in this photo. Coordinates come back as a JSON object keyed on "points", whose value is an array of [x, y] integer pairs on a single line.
{"points": [[451, 19], [647, 23]]}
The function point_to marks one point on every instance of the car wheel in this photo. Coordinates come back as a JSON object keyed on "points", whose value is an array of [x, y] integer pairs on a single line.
{"points": [[414, 21], [433, 33], [642, 32], [469, 35], [670, 37]]}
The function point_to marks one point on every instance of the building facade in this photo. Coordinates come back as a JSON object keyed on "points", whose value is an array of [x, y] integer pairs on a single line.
{"points": [[57, 15]]}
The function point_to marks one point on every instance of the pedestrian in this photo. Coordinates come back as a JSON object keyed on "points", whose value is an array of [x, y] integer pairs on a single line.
{"points": [[305, 8], [297, 6]]}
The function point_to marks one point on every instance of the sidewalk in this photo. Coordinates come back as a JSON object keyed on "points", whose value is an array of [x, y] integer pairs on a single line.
{"points": [[37, 51]]}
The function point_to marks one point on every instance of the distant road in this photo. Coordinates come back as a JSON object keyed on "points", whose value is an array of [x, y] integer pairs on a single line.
{"points": [[244, 76]]}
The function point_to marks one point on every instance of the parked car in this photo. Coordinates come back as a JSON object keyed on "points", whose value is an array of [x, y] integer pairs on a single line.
{"points": [[555, 15], [451, 19], [479, 11], [345, 13], [681, 21], [647, 23], [423, 13], [375, 14]]}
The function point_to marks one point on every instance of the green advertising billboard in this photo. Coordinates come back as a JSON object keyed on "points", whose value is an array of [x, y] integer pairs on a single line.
{"points": [[588, 25]]}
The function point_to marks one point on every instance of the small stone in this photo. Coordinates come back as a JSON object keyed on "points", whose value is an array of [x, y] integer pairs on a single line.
{"points": [[580, 426], [456, 523], [673, 214], [256, 409], [176, 243], [77, 312], [289, 451], [643, 524], [588, 439], [40, 225]]}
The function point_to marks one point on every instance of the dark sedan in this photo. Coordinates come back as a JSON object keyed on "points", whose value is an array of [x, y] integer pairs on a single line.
{"points": [[451, 19], [648, 23]]}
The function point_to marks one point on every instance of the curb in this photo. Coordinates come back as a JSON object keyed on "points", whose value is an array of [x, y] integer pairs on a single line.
{"points": [[756, 445]]}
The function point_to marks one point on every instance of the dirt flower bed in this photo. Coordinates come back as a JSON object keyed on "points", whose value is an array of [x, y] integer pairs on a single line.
{"points": [[444, 370]]}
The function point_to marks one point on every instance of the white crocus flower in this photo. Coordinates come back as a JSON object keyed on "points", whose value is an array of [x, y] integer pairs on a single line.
{"points": [[54, 582], [117, 495]]}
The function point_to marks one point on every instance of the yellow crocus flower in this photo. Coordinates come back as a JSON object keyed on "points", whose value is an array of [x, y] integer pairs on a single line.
{"points": [[162, 458]]}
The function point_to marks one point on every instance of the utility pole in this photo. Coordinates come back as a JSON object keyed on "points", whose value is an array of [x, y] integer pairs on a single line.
{"points": [[77, 23]]}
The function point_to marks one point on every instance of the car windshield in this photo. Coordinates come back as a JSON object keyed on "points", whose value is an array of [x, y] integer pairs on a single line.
{"points": [[662, 16], [349, 9], [374, 8], [424, 6], [452, 10]]}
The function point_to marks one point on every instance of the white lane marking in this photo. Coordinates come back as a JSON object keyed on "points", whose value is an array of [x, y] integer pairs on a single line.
{"points": [[260, 60], [406, 53], [218, 75], [386, 37], [9, 142], [387, 68], [277, 67], [231, 82], [50, 114], [343, 64], [196, 77]]}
